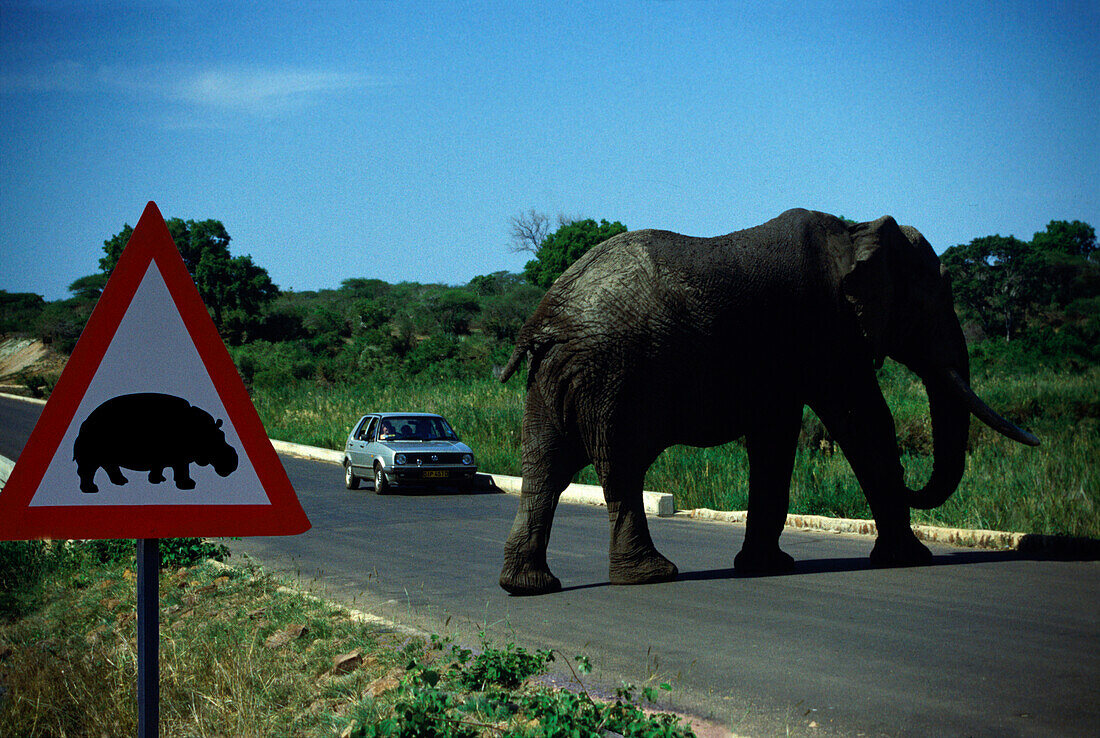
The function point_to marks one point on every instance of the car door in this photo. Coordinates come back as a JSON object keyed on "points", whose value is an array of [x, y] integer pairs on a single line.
{"points": [[357, 446]]}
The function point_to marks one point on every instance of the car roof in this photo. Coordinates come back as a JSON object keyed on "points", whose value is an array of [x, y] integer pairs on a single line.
{"points": [[408, 415]]}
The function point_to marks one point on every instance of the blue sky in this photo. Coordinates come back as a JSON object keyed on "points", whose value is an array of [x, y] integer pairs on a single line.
{"points": [[395, 139]]}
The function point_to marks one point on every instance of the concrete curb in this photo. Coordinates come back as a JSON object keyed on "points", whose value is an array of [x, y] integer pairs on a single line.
{"points": [[993, 539], [656, 503], [24, 398]]}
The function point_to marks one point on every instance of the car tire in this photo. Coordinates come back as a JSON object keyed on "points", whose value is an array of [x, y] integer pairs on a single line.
{"points": [[381, 487], [350, 480]]}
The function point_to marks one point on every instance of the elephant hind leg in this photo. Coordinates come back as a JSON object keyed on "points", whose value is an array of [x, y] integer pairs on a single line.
{"points": [[632, 557], [549, 462], [771, 460]]}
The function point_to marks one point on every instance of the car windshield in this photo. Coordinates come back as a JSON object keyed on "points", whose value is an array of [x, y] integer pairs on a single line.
{"points": [[407, 428]]}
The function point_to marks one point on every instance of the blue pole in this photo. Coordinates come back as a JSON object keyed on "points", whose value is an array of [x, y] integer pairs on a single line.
{"points": [[148, 637]]}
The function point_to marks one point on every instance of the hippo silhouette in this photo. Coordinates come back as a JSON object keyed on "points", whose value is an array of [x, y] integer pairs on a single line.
{"points": [[149, 431]]}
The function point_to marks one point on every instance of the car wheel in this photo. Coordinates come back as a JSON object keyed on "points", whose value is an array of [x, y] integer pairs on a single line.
{"points": [[380, 485], [350, 480]]}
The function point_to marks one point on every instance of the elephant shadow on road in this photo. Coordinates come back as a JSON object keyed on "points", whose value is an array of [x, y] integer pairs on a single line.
{"points": [[1053, 548]]}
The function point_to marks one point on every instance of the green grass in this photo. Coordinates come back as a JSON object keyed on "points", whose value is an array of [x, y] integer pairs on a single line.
{"points": [[1052, 489], [241, 655]]}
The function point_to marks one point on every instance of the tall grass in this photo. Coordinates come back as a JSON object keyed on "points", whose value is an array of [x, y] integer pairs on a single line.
{"points": [[1052, 489]]}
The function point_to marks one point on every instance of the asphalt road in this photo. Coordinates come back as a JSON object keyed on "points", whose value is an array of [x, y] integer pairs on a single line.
{"points": [[980, 644]]}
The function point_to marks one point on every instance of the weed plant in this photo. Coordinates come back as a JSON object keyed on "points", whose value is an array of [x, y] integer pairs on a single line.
{"points": [[241, 655], [1052, 489]]}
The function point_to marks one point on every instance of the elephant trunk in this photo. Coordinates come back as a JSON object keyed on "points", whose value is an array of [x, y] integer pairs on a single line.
{"points": [[950, 428], [951, 401]]}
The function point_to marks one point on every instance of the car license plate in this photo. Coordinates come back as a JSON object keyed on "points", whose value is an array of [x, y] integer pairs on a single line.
{"points": [[435, 475]]}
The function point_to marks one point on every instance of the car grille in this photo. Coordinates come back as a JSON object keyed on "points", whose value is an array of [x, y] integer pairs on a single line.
{"points": [[428, 459]]}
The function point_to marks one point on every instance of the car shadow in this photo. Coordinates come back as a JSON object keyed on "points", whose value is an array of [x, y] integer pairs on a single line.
{"points": [[1032, 548]]}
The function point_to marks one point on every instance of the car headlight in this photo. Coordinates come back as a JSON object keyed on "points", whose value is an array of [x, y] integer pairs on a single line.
{"points": [[399, 459], [467, 459]]}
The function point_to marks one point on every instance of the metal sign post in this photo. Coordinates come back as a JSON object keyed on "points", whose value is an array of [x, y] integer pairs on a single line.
{"points": [[148, 637]]}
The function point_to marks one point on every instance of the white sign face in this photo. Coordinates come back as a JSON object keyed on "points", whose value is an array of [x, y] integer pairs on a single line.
{"points": [[151, 352]]}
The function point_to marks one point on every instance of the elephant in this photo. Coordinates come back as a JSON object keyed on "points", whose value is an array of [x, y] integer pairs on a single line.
{"points": [[653, 339], [149, 431]]}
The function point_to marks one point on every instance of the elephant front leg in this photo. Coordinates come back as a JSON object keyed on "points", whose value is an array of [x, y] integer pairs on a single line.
{"points": [[866, 433], [771, 452], [633, 559]]}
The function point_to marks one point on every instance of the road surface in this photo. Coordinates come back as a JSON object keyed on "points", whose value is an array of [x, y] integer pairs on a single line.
{"points": [[980, 644]]}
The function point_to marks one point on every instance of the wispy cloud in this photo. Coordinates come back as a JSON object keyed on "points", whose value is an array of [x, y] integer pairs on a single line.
{"points": [[59, 76], [263, 91]]}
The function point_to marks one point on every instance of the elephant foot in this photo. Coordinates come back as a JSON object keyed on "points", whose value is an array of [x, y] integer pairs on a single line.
{"points": [[648, 567], [185, 484], [89, 488], [524, 581], [900, 550], [752, 562]]}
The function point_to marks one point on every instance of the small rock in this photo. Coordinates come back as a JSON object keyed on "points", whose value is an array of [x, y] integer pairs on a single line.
{"points": [[282, 637], [347, 662], [384, 684]]}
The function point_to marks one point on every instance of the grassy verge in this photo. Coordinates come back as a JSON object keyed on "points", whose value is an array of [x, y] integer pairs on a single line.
{"points": [[242, 656], [1054, 489]]}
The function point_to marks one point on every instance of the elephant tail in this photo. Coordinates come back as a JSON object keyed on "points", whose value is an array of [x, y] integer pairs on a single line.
{"points": [[513, 362], [533, 341]]}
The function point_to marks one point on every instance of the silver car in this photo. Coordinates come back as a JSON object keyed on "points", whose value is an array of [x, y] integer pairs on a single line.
{"points": [[405, 450]]}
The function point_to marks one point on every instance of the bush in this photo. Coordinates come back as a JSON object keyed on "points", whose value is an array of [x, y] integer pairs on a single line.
{"points": [[23, 565], [174, 552]]}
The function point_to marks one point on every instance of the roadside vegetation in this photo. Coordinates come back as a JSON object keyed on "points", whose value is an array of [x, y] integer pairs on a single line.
{"points": [[315, 361], [242, 655]]}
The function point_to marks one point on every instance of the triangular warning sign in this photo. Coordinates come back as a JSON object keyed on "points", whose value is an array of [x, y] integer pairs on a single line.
{"points": [[149, 432]]}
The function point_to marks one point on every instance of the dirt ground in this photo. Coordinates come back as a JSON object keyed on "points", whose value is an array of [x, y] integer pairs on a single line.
{"points": [[25, 356]]}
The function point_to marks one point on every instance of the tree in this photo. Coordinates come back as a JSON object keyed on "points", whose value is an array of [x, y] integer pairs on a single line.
{"points": [[1010, 287], [89, 287], [529, 230], [496, 283], [564, 246], [454, 309], [235, 289], [503, 314], [1071, 239], [19, 310], [991, 280]]}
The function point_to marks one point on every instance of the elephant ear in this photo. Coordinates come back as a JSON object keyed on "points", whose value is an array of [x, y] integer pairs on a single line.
{"points": [[869, 285]]}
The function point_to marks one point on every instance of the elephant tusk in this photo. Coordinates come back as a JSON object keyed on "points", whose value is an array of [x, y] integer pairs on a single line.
{"points": [[986, 414]]}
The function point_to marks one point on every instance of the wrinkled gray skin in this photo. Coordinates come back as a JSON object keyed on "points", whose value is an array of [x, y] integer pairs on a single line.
{"points": [[654, 339]]}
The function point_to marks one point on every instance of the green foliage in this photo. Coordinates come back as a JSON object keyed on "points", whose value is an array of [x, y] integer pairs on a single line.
{"points": [[500, 668], [60, 323], [1014, 289], [89, 287], [23, 564], [461, 700], [18, 310], [564, 246], [234, 289]]}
